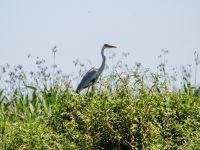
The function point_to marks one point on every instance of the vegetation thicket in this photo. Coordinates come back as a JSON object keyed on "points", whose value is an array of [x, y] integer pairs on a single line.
{"points": [[131, 108]]}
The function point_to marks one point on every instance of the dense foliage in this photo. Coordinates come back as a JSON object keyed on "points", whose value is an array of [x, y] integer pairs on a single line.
{"points": [[137, 109]]}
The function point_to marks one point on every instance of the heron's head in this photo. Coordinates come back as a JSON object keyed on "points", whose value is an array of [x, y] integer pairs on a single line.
{"points": [[109, 46]]}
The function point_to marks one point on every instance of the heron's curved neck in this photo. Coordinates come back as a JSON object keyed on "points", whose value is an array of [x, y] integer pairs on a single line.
{"points": [[103, 62]]}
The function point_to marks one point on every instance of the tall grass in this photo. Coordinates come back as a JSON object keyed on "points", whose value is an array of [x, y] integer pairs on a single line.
{"points": [[131, 108]]}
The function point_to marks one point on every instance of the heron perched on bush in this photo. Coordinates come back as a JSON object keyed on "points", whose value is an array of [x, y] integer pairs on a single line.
{"points": [[92, 75]]}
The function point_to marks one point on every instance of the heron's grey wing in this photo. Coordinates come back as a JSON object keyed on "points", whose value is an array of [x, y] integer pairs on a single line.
{"points": [[88, 79]]}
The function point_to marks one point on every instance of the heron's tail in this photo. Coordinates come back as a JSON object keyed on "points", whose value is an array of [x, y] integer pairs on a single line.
{"points": [[77, 91]]}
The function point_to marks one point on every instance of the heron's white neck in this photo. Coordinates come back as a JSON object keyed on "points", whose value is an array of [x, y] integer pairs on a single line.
{"points": [[103, 62]]}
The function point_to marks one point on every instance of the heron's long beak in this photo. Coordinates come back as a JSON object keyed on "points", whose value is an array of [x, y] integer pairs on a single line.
{"points": [[111, 46]]}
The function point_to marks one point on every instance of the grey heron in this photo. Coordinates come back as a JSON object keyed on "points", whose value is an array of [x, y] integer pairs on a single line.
{"points": [[92, 75]]}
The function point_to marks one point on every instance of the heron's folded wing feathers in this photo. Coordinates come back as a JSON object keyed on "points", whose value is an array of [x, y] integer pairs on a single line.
{"points": [[88, 78]]}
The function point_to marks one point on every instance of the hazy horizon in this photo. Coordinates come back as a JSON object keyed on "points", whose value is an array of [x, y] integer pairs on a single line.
{"points": [[80, 28]]}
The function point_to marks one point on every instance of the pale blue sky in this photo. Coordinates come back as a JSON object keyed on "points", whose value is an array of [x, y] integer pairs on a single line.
{"points": [[79, 28]]}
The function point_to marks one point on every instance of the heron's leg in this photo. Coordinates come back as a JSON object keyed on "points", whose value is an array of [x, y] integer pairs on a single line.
{"points": [[93, 88], [88, 90]]}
